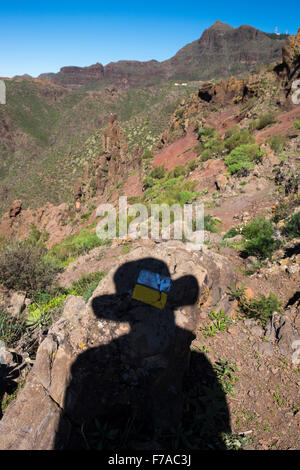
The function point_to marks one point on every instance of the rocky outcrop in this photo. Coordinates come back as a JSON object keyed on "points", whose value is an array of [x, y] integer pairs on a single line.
{"points": [[111, 165], [115, 355], [15, 209], [291, 56], [224, 93], [282, 330], [231, 91], [113, 137], [13, 302], [17, 223], [289, 70]]}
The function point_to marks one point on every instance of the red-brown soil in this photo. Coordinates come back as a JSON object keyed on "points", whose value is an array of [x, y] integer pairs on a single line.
{"points": [[178, 153]]}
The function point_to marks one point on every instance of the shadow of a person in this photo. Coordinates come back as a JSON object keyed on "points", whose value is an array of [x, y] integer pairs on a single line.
{"points": [[8, 384], [128, 393]]}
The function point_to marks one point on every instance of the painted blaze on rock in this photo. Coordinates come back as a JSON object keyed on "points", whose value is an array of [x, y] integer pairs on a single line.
{"points": [[152, 288]]}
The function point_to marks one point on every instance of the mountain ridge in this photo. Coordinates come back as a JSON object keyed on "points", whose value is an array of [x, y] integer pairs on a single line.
{"points": [[235, 50]]}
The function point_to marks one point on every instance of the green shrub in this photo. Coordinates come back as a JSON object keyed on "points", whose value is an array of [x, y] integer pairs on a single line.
{"points": [[148, 182], [283, 211], [231, 131], [42, 314], [240, 138], [297, 125], [179, 112], [292, 227], [170, 191], [258, 238], [264, 120], [225, 371], [35, 237], [193, 164], [185, 196], [158, 172], [261, 309], [11, 328], [232, 233], [198, 149], [242, 158], [211, 224], [75, 245], [210, 142], [48, 305], [206, 133], [86, 285], [179, 170], [220, 322], [24, 267], [147, 154], [212, 148], [277, 143]]}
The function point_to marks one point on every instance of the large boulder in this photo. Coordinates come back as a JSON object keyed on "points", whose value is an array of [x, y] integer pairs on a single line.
{"points": [[117, 357]]}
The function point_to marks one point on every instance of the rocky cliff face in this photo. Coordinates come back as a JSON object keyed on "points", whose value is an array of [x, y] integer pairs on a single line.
{"points": [[224, 51], [291, 56]]}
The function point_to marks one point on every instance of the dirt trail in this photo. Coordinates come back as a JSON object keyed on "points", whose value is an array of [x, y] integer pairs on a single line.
{"points": [[254, 203]]}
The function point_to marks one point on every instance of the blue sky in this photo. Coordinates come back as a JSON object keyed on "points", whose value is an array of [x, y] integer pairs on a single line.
{"points": [[39, 37]]}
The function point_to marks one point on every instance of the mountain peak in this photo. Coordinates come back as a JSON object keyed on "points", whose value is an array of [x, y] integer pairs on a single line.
{"points": [[218, 25]]}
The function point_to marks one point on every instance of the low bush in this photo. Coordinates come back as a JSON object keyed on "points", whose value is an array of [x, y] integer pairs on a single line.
{"points": [[11, 328], [225, 371], [220, 322], [211, 224], [297, 125], [148, 182], [48, 305], [179, 170], [171, 191], [232, 233], [74, 246], [277, 143], [263, 121], [24, 267], [292, 226], [198, 148], [158, 172], [242, 158], [41, 314], [261, 309], [86, 285], [258, 238], [193, 164], [231, 131], [147, 154], [212, 148], [205, 133], [239, 138]]}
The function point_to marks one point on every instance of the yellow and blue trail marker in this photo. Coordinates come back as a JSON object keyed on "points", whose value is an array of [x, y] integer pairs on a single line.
{"points": [[152, 289]]}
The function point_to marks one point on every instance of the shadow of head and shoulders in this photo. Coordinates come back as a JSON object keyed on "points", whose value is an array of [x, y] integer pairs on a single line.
{"points": [[137, 377]]}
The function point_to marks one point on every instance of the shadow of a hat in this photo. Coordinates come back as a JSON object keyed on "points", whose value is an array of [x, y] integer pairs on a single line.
{"points": [[117, 307]]}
